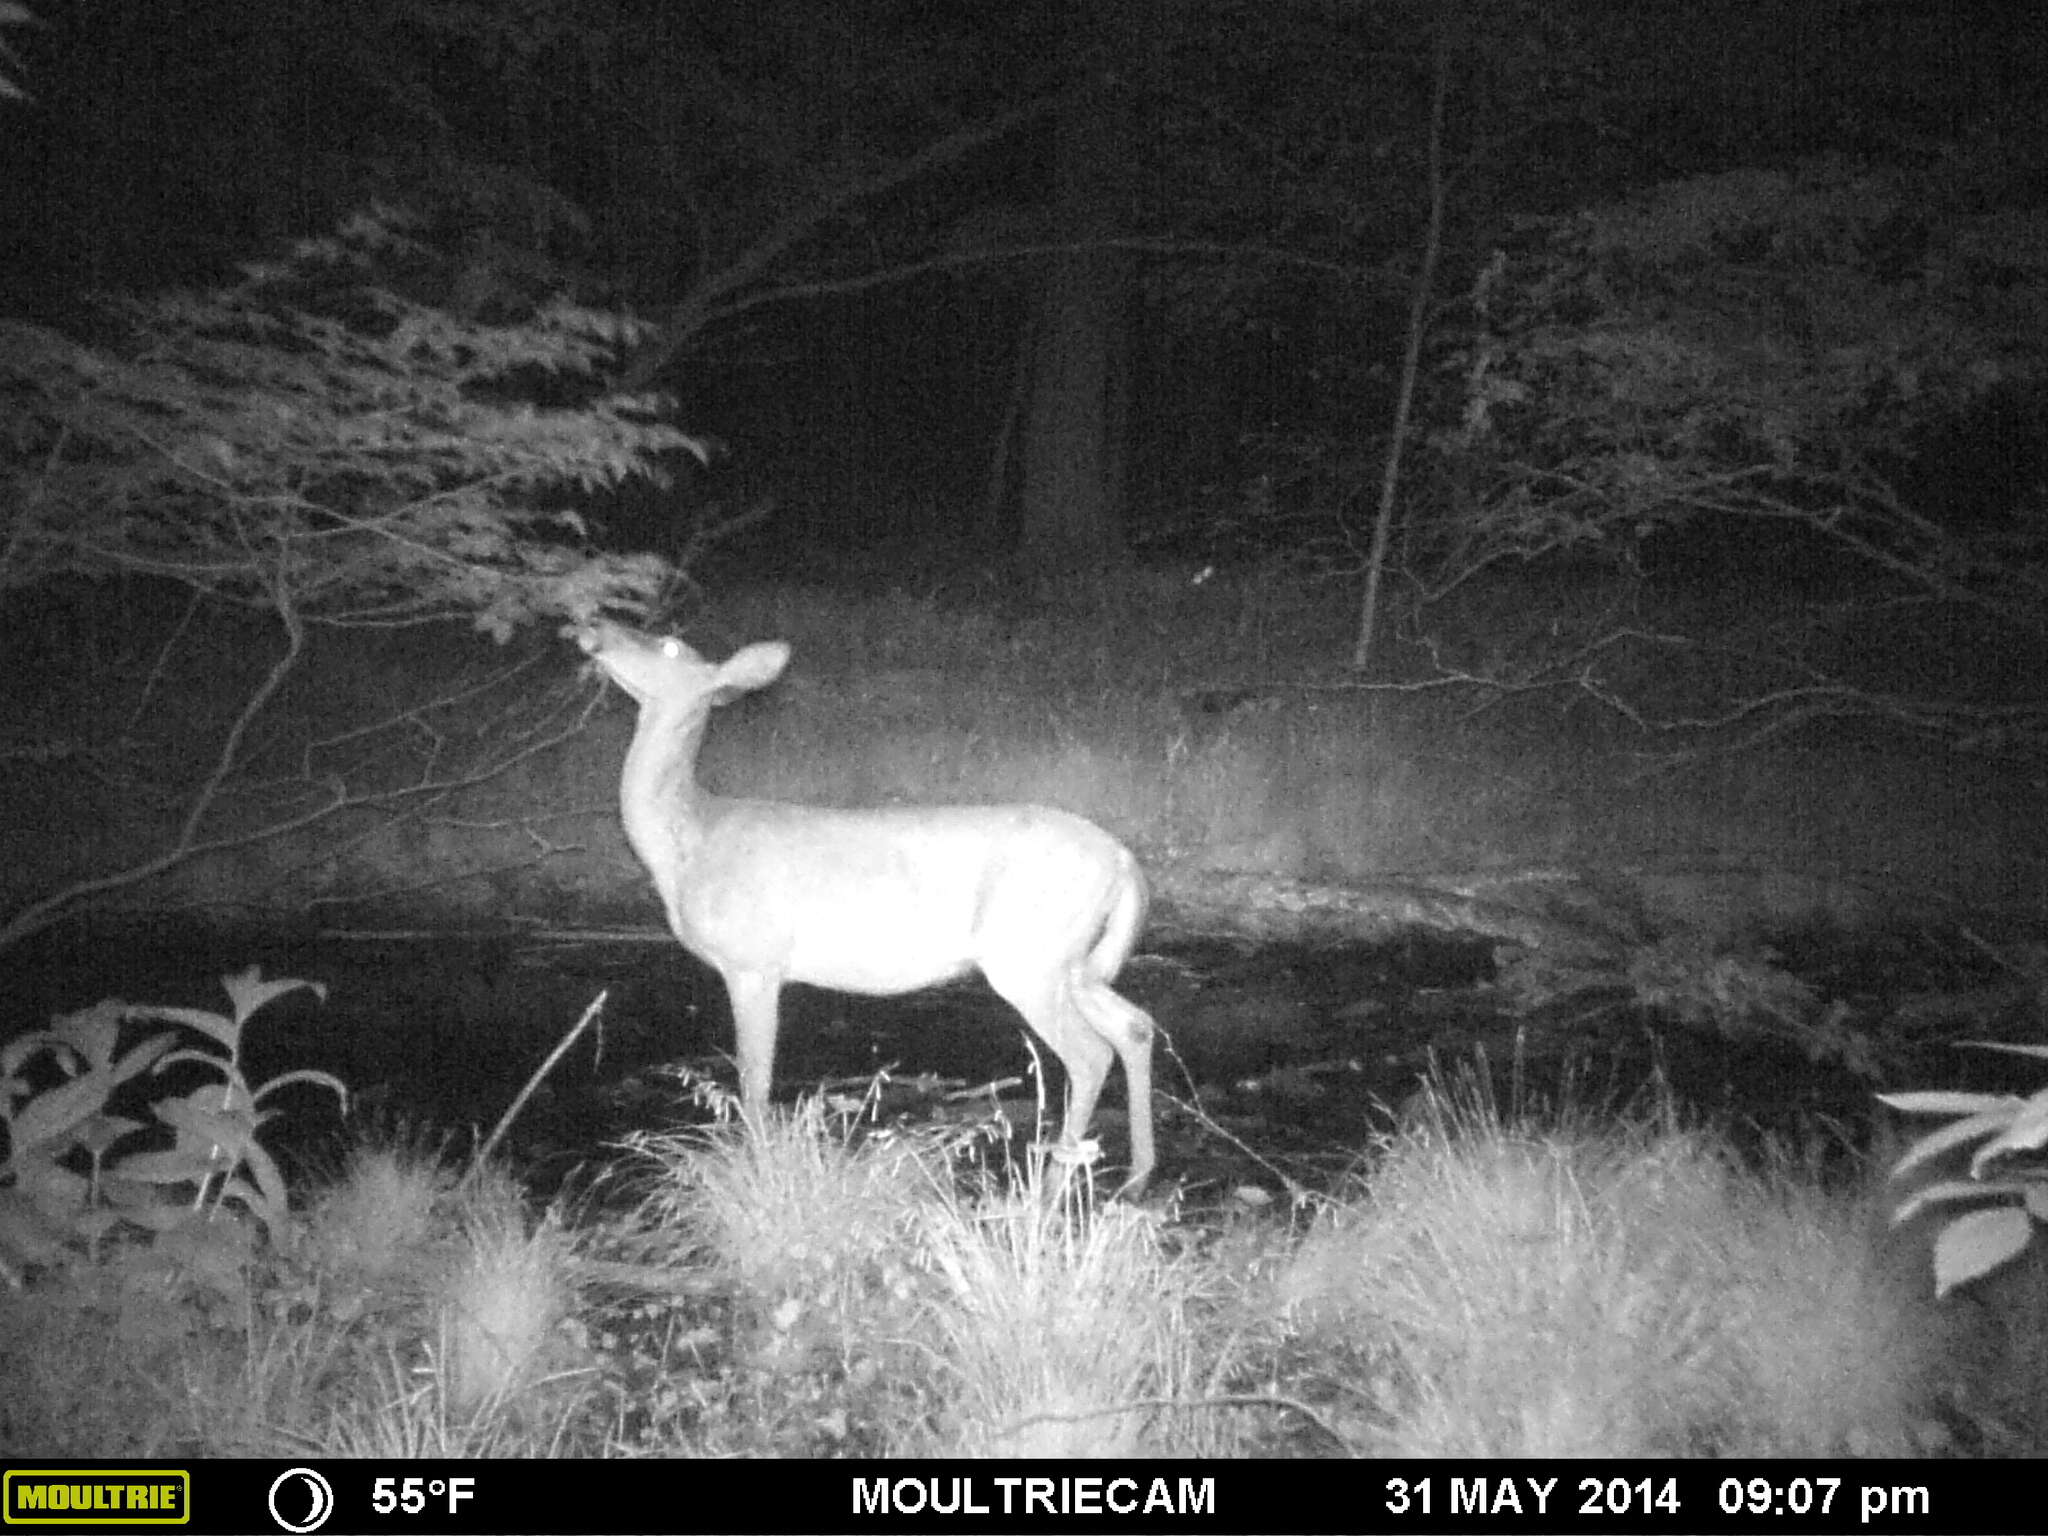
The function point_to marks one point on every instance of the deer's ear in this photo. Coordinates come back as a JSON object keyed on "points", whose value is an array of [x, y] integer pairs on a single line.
{"points": [[755, 667]]}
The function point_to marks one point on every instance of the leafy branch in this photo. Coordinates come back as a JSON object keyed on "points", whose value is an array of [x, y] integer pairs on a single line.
{"points": [[313, 444], [1765, 347], [309, 432]]}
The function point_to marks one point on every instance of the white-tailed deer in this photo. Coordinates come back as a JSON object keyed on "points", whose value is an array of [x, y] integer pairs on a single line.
{"points": [[1044, 904]]}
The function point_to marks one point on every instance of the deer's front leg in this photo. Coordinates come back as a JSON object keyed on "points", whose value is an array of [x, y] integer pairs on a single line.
{"points": [[755, 996]]}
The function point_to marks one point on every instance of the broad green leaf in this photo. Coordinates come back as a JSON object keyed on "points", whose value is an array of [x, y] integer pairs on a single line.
{"points": [[59, 1114], [1978, 1243], [248, 991]]}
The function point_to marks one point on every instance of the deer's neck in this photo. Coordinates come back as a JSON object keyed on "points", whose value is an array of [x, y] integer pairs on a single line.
{"points": [[659, 800]]}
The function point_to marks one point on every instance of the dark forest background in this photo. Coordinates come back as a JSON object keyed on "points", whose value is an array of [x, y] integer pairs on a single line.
{"points": [[1661, 381]]}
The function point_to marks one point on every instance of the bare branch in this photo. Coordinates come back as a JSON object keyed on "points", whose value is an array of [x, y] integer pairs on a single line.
{"points": [[685, 319]]}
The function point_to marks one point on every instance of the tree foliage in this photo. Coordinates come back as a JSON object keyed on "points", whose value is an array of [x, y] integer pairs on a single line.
{"points": [[322, 443], [312, 440], [1765, 344]]}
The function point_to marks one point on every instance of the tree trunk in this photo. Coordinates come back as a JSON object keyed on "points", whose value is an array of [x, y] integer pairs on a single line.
{"points": [[1071, 515]]}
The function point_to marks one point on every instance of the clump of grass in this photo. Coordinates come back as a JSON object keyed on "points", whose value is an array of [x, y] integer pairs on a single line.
{"points": [[377, 1222], [883, 1297], [505, 1300], [450, 1330], [1064, 1326], [768, 1258], [1509, 1290], [799, 1210]]}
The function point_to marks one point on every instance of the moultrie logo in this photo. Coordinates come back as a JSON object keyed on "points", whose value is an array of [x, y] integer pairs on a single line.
{"points": [[34, 1497]]}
